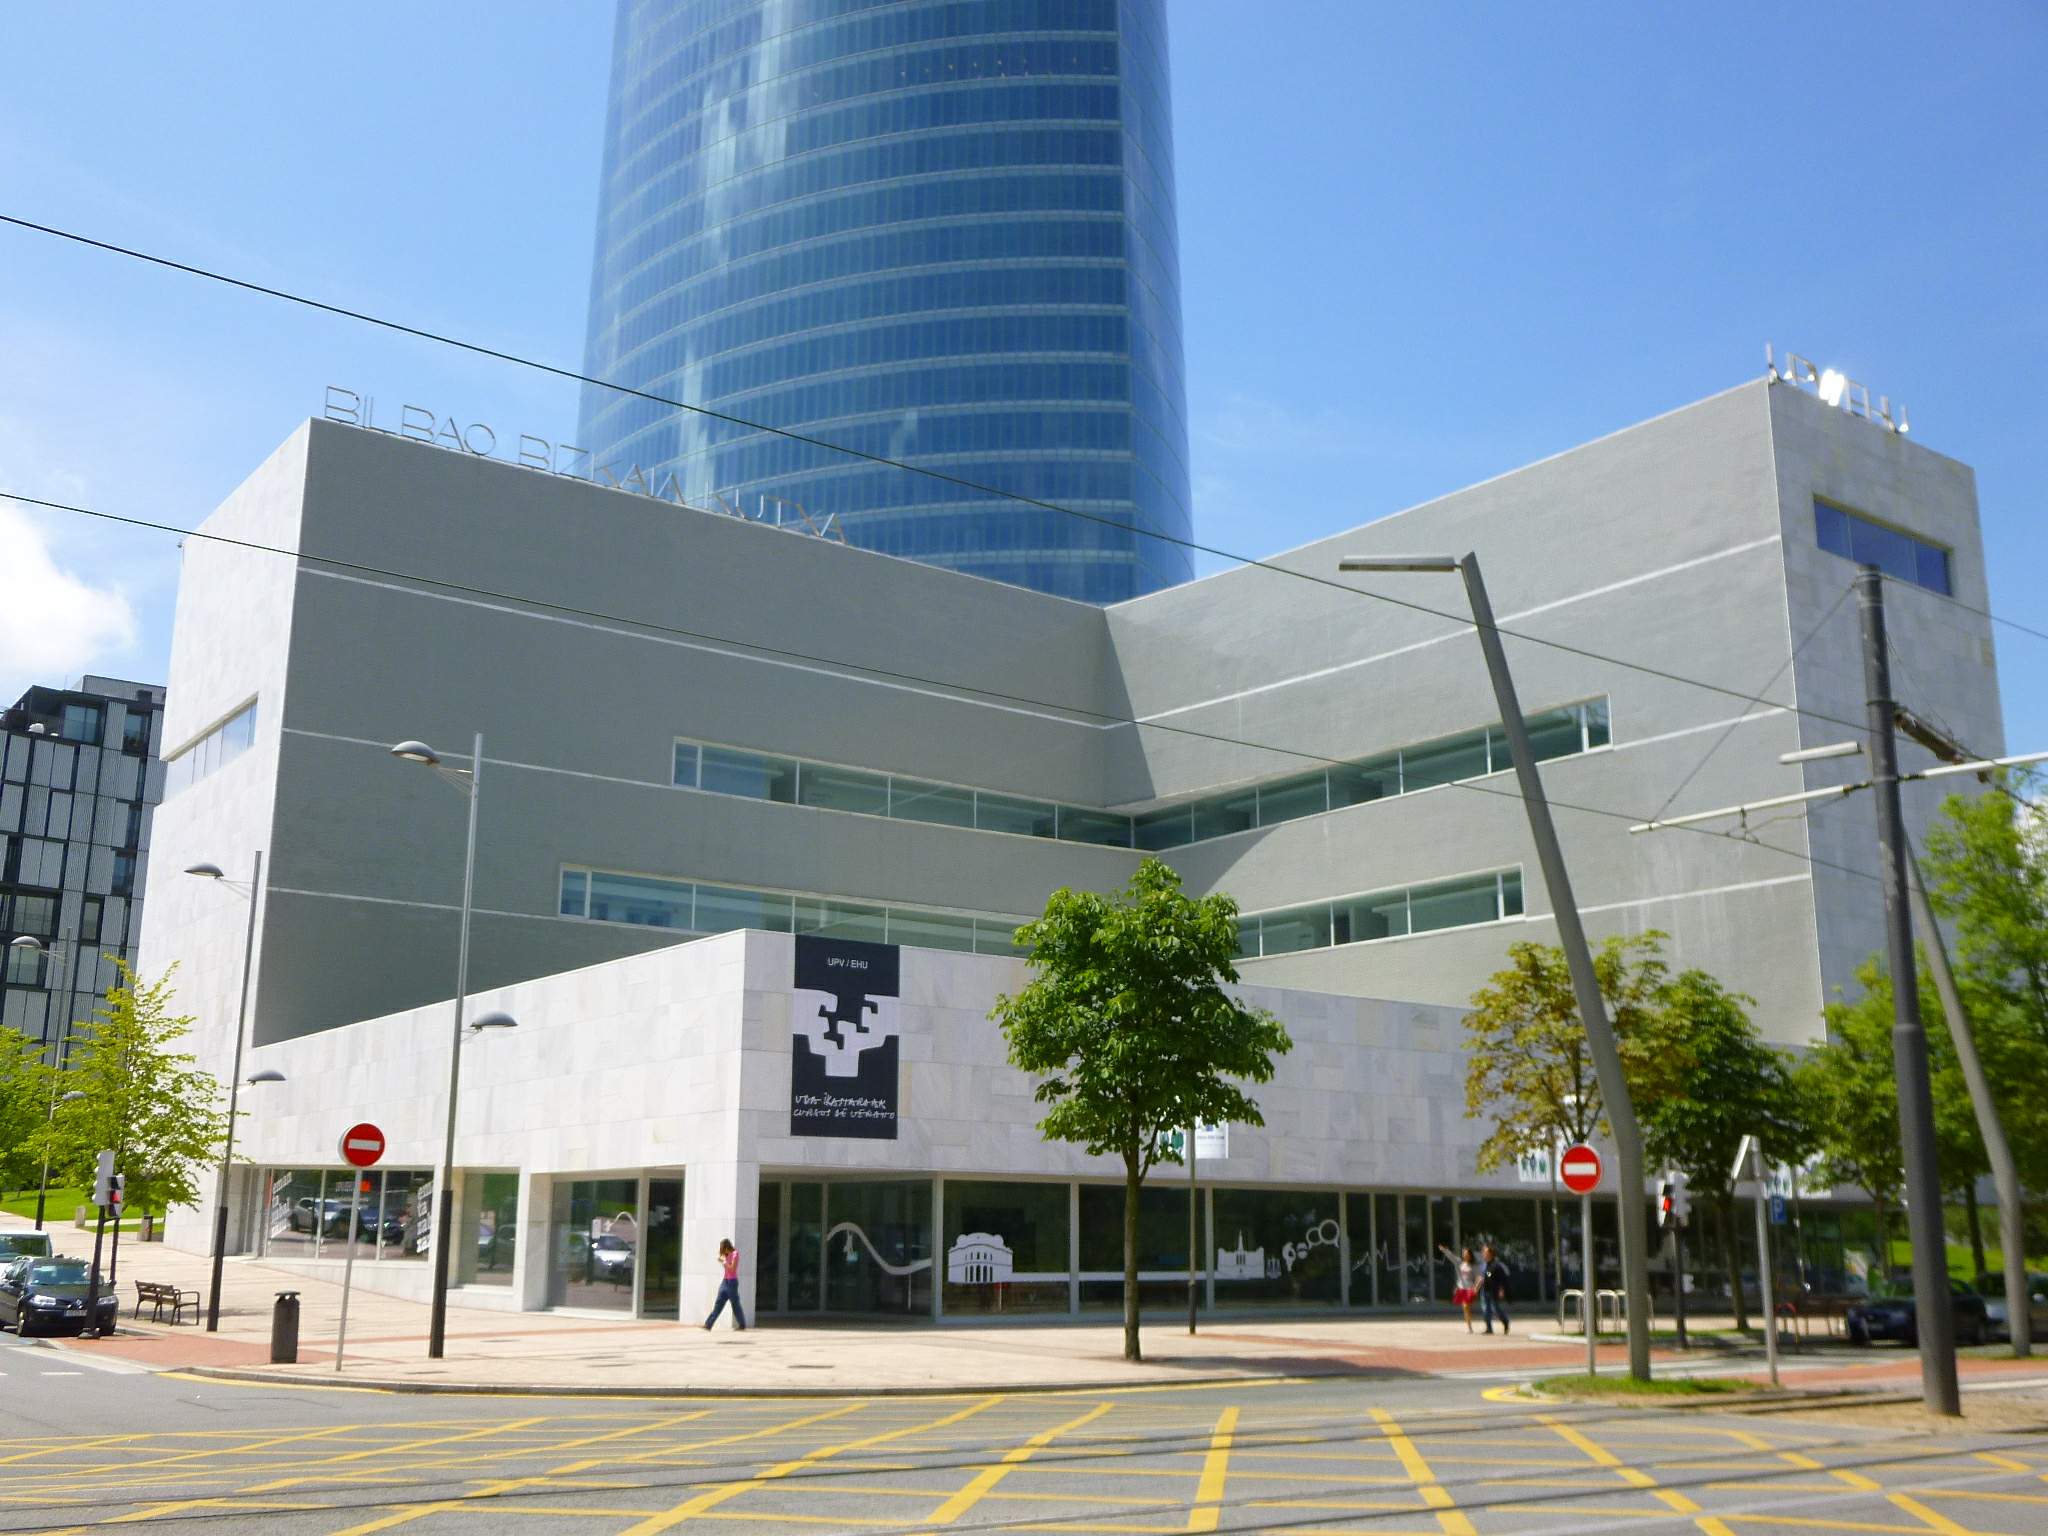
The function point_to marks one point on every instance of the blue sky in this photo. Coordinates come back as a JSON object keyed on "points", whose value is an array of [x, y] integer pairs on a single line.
{"points": [[1421, 245]]}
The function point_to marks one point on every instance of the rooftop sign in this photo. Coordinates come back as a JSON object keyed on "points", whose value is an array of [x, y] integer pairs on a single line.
{"points": [[480, 441], [1837, 389]]}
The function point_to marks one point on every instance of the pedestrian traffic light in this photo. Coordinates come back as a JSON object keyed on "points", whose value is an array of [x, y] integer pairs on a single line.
{"points": [[1663, 1202], [117, 1191]]}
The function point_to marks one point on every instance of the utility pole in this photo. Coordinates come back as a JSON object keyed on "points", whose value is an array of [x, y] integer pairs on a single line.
{"points": [[1194, 1245], [1997, 1151], [1933, 1316]]}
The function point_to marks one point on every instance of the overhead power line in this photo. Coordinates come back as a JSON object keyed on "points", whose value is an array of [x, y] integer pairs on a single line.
{"points": [[967, 691], [572, 375]]}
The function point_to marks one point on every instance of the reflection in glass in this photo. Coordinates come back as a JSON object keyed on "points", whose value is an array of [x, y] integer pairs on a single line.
{"points": [[1276, 1247], [878, 1248], [661, 1290], [1162, 1246], [491, 1211], [596, 1230]]}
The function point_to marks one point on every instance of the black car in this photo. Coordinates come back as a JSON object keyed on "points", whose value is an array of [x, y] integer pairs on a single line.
{"points": [[1897, 1317], [48, 1296]]}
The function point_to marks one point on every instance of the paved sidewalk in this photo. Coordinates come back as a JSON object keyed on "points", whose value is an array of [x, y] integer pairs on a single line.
{"points": [[589, 1351]]}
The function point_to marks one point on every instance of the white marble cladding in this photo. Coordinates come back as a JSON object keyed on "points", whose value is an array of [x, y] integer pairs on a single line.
{"points": [[681, 1057]]}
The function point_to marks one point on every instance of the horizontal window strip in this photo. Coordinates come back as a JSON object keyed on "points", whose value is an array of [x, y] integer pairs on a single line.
{"points": [[697, 907], [1566, 731], [215, 750], [1897, 553], [1464, 902]]}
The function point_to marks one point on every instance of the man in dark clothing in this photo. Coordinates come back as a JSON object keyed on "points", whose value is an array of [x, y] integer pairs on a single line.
{"points": [[1493, 1288]]}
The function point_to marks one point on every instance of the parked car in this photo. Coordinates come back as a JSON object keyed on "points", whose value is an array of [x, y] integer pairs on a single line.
{"points": [[14, 1245], [312, 1214], [611, 1258], [1992, 1288], [1897, 1317], [39, 1295]]}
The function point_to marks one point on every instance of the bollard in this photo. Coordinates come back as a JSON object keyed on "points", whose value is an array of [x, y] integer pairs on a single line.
{"points": [[284, 1329]]}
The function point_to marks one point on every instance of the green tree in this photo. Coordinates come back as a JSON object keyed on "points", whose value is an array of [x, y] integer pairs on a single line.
{"points": [[1987, 869], [1704, 1080], [1128, 1026], [1854, 1098], [1528, 1066], [145, 1100], [1987, 872], [26, 1082]]}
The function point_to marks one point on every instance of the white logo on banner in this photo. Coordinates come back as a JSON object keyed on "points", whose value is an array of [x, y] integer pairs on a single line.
{"points": [[840, 1039]]}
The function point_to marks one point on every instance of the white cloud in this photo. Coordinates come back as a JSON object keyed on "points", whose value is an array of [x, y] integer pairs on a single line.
{"points": [[53, 624]]}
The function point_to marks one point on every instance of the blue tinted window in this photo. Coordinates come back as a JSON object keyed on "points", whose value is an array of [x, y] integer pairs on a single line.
{"points": [[1892, 550]]}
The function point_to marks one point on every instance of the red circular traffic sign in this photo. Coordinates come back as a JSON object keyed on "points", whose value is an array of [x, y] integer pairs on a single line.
{"points": [[1580, 1169], [362, 1145]]}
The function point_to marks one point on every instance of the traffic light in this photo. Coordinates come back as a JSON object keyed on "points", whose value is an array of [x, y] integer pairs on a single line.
{"points": [[1681, 1200], [117, 1191], [103, 1180], [1663, 1202]]}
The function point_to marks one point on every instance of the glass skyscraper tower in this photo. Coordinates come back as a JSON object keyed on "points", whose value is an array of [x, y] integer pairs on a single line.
{"points": [[936, 231]]}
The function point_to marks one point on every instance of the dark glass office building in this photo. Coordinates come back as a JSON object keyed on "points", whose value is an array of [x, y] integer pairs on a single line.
{"points": [[936, 231]]}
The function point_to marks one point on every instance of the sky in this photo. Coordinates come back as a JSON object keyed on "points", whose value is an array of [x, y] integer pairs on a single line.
{"points": [[1420, 246]]}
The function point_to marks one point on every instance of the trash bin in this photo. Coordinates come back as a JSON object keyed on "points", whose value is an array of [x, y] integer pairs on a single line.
{"points": [[284, 1329]]}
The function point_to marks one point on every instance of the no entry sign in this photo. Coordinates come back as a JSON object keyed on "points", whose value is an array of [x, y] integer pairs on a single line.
{"points": [[1580, 1169], [362, 1145]]}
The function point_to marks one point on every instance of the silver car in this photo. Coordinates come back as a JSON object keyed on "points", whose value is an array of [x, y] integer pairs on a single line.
{"points": [[1992, 1288]]}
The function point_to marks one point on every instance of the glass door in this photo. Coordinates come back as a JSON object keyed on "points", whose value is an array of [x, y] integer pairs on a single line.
{"points": [[662, 1247]]}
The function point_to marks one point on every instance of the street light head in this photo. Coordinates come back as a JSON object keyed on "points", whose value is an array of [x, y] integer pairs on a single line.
{"points": [[497, 1019], [1819, 754], [206, 871], [417, 752], [1398, 563], [267, 1075], [70, 1098], [26, 941]]}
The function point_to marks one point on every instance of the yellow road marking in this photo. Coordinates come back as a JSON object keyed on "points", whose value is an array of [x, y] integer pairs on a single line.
{"points": [[438, 1507], [180, 1506], [1933, 1518], [986, 1479], [70, 1445], [1814, 1522], [1449, 1520], [2009, 1463], [1215, 1468], [1670, 1498], [710, 1498]]}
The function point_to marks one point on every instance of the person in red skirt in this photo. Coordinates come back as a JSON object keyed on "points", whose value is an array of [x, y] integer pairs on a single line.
{"points": [[1467, 1289]]}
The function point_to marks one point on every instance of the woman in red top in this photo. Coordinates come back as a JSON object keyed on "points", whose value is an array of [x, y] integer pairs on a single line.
{"points": [[729, 1287]]}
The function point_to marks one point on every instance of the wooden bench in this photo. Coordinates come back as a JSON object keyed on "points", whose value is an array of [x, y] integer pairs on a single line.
{"points": [[156, 1296]]}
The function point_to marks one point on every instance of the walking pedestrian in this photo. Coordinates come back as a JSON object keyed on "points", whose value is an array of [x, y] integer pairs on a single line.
{"points": [[1493, 1288], [729, 1287], [1467, 1289]]}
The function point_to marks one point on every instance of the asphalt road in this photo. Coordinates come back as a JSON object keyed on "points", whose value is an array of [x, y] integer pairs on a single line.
{"points": [[82, 1446]]}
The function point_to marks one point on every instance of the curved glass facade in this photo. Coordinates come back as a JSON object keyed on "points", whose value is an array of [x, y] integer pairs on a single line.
{"points": [[937, 231]]}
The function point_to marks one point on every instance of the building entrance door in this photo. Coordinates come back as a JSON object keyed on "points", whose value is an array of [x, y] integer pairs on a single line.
{"points": [[662, 1245]]}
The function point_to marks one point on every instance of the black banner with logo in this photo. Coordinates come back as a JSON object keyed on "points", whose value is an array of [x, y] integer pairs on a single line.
{"points": [[843, 1039]]}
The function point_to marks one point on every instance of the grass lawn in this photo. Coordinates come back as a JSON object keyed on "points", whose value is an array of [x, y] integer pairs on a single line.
{"points": [[1627, 1386], [57, 1213]]}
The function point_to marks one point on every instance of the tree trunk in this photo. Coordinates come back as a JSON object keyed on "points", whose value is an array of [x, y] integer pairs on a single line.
{"points": [[1976, 1227], [1734, 1251], [1884, 1246], [1131, 1351]]}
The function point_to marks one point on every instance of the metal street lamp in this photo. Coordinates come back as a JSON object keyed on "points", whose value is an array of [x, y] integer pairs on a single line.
{"points": [[227, 1156], [468, 780], [1621, 1118]]}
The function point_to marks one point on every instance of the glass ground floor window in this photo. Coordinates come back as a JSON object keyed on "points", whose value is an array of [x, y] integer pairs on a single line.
{"points": [[490, 1212], [1278, 1247], [1006, 1247], [844, 1245], [310, 1213], [596, 1248]]}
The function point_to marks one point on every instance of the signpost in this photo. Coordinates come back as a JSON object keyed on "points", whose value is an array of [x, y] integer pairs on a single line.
{"points": [[1751, 1152], [102, 1196], [361, 1147], [1579, 1168]]}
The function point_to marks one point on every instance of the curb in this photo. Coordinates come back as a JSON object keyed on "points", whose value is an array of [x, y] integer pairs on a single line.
{"points": [[248, 1377], [1762, 1400]]}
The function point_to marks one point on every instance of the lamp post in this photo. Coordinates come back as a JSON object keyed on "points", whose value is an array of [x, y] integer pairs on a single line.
{"points": [[28, 944], [468, 780], [1621, 1118], [227, 1156]]}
